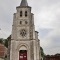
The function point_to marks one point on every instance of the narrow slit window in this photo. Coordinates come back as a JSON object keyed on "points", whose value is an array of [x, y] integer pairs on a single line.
{"points": [[20, 13], [26, 22], [25, 13], [20, 22]]}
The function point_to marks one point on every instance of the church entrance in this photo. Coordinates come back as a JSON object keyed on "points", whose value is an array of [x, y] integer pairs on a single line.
{"points": [[23, 55]]}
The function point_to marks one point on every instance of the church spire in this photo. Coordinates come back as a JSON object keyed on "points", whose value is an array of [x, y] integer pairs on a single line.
{"points": [[24, 3]]}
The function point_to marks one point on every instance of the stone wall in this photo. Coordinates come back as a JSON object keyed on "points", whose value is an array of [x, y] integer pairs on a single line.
{"points": [[1, 59]]}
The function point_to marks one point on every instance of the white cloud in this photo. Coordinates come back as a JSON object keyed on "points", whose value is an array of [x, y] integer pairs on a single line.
{"points": [[49, 19]]}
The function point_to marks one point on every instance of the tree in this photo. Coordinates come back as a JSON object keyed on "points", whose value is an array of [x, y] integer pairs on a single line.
{"points": [[1, 40], [6, 43], [42, 53]]}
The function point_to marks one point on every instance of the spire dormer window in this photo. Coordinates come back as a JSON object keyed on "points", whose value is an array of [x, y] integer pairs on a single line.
{"points": [[25, 13], [20, 13]]}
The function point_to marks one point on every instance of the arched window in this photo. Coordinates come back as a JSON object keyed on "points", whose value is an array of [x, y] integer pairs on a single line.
{"points": [[20, 13], [20, 22], [26, 22], [25, 13]]}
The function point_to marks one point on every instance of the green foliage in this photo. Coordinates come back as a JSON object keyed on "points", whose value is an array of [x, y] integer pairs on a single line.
{"points": [[42, 53], [6, 43], [1, 40]]}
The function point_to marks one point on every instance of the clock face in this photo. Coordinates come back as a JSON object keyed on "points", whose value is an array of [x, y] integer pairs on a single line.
{"points": [[23, 32]]}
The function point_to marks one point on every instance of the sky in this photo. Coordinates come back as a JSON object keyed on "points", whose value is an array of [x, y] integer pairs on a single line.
{"points": [[46, 19]]}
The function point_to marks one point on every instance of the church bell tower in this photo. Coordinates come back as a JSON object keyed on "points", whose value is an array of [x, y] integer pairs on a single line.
{"points": [[25, 44]]}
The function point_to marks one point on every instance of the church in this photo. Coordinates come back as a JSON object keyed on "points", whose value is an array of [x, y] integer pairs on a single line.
{"points": [[25, 44]]}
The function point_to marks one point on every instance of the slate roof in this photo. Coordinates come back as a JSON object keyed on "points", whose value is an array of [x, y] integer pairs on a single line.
{"points": [[24, 3]]}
